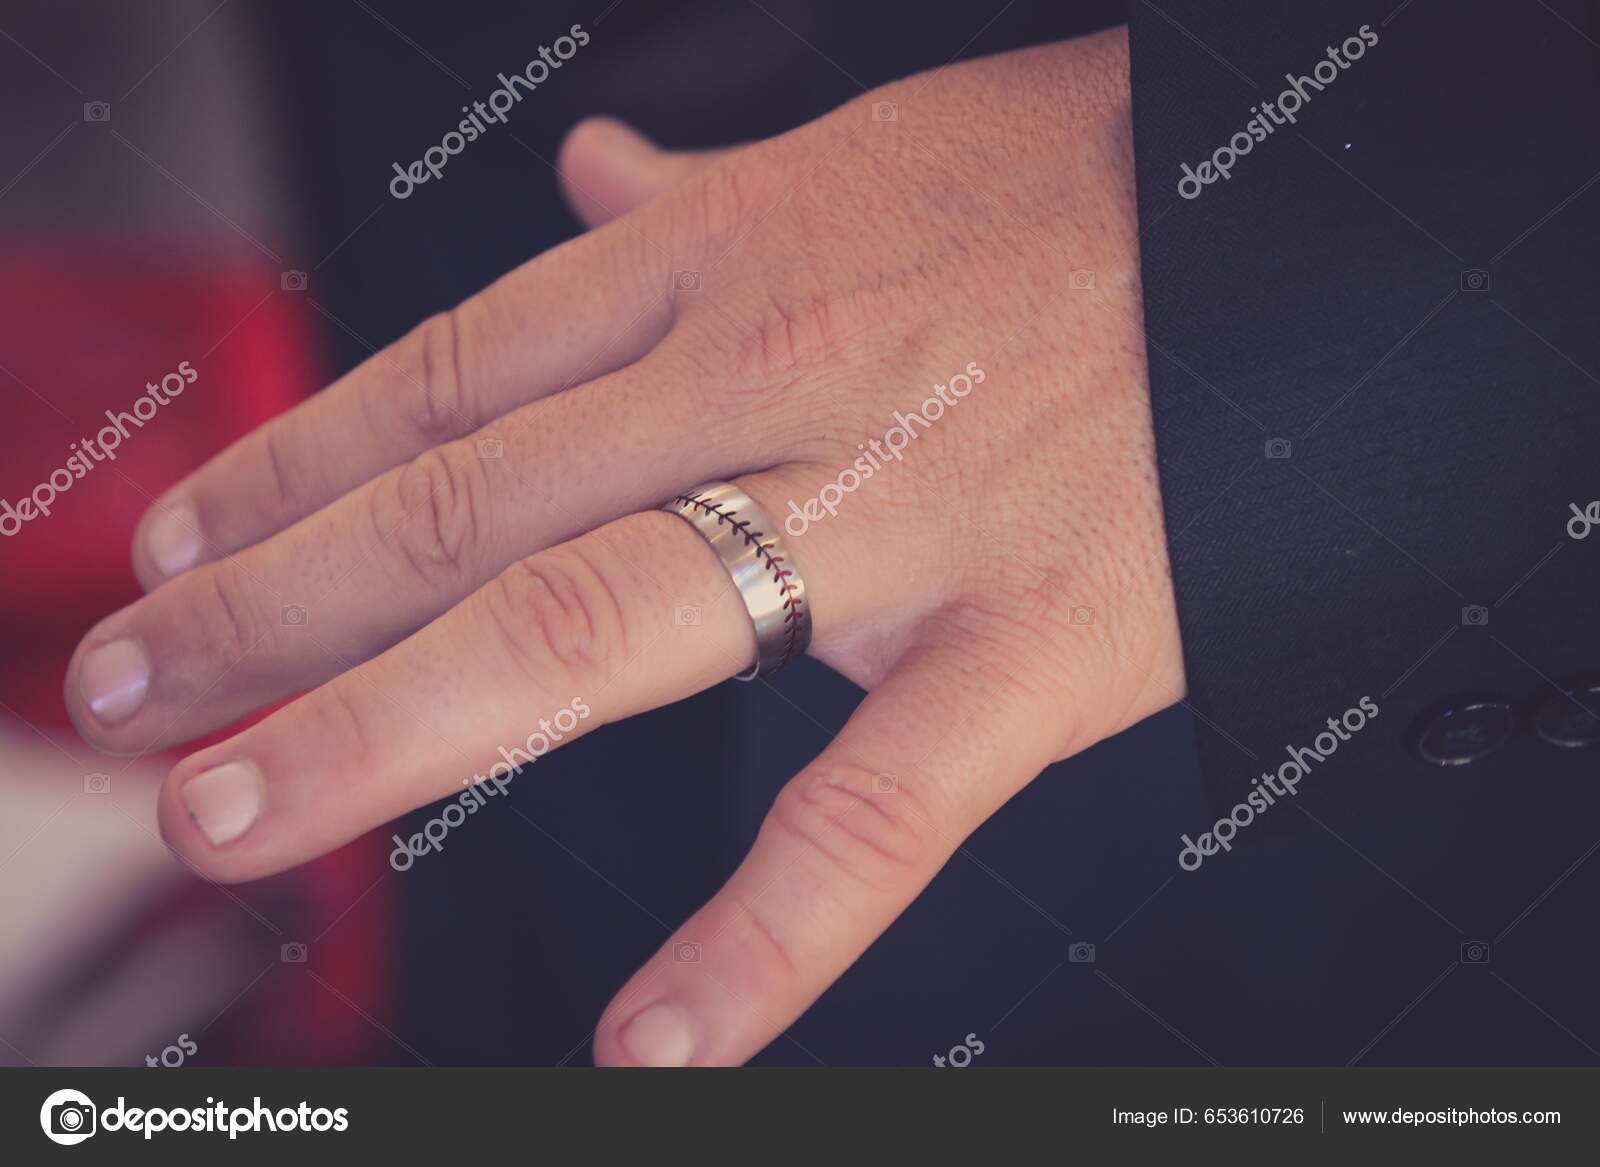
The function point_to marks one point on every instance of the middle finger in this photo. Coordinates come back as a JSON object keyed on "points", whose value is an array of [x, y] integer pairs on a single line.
{"points": [[355, 577]]}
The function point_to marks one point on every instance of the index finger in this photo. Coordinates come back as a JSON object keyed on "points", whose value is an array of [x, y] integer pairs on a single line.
{"points": [[586, 308]]}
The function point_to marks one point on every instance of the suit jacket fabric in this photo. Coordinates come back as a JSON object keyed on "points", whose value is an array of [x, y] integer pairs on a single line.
{"points": [[1374, 374]]}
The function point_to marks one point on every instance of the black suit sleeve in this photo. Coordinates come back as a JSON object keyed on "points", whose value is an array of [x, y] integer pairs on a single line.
{"points": [[1374, 351]]}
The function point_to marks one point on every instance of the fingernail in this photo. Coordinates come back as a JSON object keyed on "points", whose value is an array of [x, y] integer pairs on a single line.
{"points": [[225, 800], [659, 1036], [172, 539], [114, 679]]}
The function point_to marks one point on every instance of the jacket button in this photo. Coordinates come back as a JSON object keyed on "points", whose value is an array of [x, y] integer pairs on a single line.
{"points": [[1464, 731], [1571, 717]]}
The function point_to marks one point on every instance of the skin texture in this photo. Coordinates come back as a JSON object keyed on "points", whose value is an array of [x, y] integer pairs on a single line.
{"points": [[466, 518]]}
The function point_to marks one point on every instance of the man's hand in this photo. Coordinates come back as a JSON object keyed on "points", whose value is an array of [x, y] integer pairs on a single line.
{"points": [[456, 539]]}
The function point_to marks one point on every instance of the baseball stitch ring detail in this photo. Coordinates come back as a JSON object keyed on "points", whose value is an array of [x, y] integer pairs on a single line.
{"points": [[748, 543]]}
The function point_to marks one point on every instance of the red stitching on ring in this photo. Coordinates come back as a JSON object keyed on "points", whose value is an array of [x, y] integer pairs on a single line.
{"points": [[793, 601]]}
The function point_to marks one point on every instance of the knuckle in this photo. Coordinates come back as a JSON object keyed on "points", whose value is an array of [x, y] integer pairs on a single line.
{"points": [[767, 957], [345, 725], [859, 823], [558, 611], [771, 349], [438, 404], [283, 469], [231, 622], [771, 336], [431, 510], [796, 329]]}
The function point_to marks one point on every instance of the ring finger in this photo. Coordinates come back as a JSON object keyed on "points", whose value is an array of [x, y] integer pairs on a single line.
{"points": [[569, 639]]}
